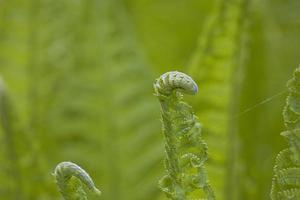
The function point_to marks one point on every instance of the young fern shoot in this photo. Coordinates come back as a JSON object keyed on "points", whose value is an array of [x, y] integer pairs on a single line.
{"points": [[286, 182], [70, 179], [186, 152]]}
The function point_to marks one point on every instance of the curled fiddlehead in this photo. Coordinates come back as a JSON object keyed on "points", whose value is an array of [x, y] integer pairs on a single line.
{"points": [[286, 181], [175, 80], [70, 179], [186, 152]]}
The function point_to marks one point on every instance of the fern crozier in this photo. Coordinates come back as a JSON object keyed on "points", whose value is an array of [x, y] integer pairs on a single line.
{"points": [[72, 189], [175, 80]]}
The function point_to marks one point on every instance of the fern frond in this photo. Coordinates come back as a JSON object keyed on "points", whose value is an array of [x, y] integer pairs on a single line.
{"points": [[186, 152], [14, 183], [214, 63], [70, 188], [109, 76], [286, 181], [74, 78]]}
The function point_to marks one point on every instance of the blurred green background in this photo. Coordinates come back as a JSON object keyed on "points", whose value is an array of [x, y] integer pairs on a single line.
{"points": [[77, 86]]}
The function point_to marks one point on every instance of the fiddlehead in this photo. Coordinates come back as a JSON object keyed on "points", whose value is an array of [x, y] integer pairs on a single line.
{"points": [[175, 80], [69, 179], [286, 182], [186, 152]]}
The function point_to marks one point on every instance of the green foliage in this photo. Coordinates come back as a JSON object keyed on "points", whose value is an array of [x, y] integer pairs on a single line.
{"points": [[286, 182], [11, 177], [169, 29], [78, 78], [186, 152], [270, 60], [214, 64], [69, 179]]}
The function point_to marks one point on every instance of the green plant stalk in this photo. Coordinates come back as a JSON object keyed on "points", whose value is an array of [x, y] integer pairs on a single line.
{"points": [[70, 179], [186, 152], [286, 181]]}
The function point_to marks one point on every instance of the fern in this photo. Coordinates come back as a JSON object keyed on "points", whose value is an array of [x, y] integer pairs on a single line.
{"points": [[69, 179], [108, 73], [13, 186], [286, 182], [74, 77], [214, 64], [186, 151]]}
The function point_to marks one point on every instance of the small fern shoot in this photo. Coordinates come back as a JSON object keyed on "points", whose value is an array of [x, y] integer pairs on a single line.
{"points": [[186, 152], [286, 182], [69, 179]]}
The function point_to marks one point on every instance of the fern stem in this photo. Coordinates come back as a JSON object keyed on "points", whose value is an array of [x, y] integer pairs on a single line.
{"points": [[186, 152]]}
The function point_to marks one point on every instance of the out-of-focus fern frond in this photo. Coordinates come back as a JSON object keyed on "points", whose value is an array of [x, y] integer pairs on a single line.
{"points": [[88, 92], [13, 58], [132, 148], [286, 182], [272, 34], [11, 176], [213, 65]]}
